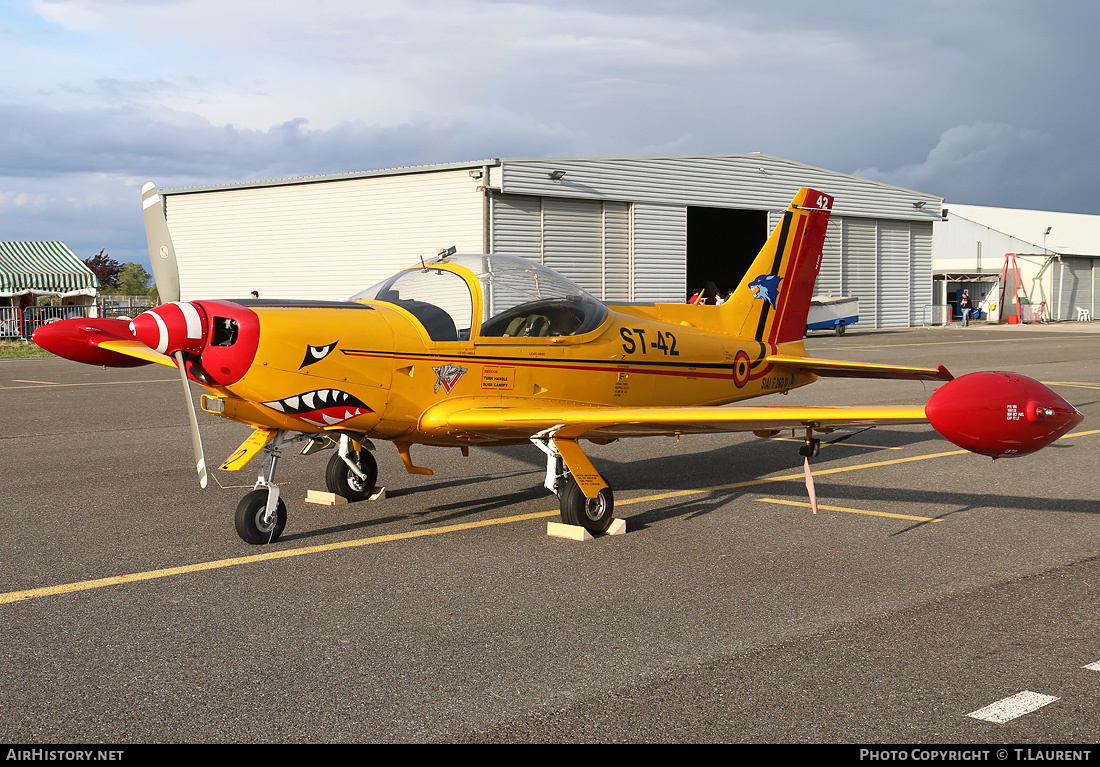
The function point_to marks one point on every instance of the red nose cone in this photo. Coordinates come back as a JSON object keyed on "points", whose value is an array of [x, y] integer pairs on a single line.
{"points": [[1000, 414], [172, 328]]}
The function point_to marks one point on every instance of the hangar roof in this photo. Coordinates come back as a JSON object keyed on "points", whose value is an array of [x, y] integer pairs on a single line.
{"points": [[753, 180], [1070, 233]]}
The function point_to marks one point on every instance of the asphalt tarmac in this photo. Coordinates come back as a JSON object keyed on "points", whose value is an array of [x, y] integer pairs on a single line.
{"points": [[930, 585]]}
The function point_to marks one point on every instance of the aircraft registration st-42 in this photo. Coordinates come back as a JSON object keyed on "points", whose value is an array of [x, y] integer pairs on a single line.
{"points": [[496, 350]]}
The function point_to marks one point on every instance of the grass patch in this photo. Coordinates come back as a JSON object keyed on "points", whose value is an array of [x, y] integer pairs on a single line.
{"points": [[11, 350]]}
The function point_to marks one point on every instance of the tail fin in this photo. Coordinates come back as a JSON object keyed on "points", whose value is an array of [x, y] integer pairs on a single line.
{"points": [[773, 299]]}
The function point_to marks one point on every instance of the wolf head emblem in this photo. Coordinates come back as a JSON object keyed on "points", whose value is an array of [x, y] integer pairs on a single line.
{"points": [[766, 286]]}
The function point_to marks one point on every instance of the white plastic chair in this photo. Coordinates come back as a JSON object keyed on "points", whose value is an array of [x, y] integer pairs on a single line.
{"points": [[1083, 315]]}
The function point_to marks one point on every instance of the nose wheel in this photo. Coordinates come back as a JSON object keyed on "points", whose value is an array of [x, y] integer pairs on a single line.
{"points": [[254, 524], [261, 514]]}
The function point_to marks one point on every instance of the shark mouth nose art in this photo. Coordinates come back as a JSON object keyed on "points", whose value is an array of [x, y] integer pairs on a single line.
{"points": [[324, 407]]}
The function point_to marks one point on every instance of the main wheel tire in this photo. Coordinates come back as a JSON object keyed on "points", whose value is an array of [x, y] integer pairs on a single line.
{"points": [[840, 328], [593, 514], [249, 519], [343, 481]]}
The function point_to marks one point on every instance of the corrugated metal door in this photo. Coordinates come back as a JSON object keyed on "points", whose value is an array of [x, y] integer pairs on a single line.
{"points": [[886, 264], [832, 263], [1075, 279], [920, 270], [588, 241], [860, 272], [616, 251], [660, 253], [893, 274], [517, 225], [572, 240]]}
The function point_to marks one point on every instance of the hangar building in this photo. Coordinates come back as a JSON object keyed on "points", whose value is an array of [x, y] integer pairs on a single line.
{"points": [[1058, 256], [627, 229]]}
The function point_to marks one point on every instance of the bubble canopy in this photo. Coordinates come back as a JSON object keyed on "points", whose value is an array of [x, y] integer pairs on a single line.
{"points": [[519, 299]]}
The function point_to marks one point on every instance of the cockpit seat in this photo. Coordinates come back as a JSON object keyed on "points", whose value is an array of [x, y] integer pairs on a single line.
{"points": [[437, 322], [528, 326]]}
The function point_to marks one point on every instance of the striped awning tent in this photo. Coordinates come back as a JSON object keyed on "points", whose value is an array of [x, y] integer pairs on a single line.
{"points": [[43, 268]]}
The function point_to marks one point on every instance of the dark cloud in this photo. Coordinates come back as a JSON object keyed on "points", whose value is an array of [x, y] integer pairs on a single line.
{"points": [[1005, 166], [981, 102], [43, 143]]}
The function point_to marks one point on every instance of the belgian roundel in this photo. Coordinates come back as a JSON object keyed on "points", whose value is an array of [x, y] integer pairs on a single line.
{"points": [[741, 367]]}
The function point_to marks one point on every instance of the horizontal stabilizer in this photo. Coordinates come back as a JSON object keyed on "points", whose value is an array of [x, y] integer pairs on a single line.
{"points": [[839, 369]]}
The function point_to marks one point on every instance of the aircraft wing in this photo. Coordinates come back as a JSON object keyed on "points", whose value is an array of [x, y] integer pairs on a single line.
{"points": [[609, 423]]}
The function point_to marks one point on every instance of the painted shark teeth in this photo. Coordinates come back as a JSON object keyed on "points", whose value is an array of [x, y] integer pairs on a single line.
{"points": [[326, 406]]}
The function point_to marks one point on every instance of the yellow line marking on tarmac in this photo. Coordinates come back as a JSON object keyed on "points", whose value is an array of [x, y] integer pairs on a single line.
{"points": [[1070, 383], [45, 384], [68, 588], [950, 343], [48, 383], [850, 511]]}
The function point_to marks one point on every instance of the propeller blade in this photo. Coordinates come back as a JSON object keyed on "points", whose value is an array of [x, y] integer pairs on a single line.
{"points": [[162, 255], [810, 484], [196, 441]]}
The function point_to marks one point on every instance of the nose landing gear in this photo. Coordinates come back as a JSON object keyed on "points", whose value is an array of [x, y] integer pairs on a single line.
{"points": [[254, 524]]}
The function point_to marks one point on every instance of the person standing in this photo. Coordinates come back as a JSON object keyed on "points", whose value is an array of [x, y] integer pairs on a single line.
{"points": [[964, 307]]}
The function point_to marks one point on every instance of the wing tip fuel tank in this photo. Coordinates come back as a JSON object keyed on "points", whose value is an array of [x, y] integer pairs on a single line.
{"points": [[79, 339], [1000, 414]]}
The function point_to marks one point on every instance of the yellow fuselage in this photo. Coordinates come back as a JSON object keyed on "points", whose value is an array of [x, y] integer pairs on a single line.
{"points": [[662, 355]]}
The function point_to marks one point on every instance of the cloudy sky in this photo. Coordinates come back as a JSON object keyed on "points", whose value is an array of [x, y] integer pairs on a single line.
{"points": [[990, 102]]}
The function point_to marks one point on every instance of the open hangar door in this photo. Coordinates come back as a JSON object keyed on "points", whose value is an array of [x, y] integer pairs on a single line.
{"points": [[721, 245]]}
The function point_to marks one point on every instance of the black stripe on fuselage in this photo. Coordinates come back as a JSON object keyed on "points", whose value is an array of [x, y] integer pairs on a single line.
{"points": [[295, 303], [537, 360]]}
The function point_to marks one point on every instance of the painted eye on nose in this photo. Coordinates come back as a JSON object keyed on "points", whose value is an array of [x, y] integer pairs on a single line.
{"points": [[317, 353]]}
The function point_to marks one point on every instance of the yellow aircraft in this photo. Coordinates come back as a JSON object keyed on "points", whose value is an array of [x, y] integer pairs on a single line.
{"points": [[496, 350]]}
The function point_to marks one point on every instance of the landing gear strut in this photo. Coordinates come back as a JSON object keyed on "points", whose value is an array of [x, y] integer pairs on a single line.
{"points": [[811, 449], [261, 514], [351, 474], [593, 514]]}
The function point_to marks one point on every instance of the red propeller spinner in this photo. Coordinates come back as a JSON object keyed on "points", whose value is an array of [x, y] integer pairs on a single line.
{"points": [[171, 328]]}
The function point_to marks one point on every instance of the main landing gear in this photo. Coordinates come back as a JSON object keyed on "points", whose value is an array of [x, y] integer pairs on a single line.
{"points": [[261, 514], [349, 473], [593, 514]]}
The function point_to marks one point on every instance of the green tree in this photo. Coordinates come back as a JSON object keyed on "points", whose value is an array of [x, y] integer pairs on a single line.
{"points": [[133, 280]]}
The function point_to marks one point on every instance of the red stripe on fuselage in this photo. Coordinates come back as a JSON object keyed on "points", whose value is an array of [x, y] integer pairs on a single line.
{"points": [[537, 364]]}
